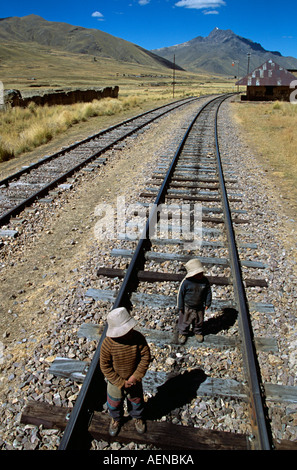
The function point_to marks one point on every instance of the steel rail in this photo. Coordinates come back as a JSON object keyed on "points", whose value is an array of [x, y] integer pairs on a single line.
{"points": [[88, 399], [48, 158], [262, 434], [4, 219]]}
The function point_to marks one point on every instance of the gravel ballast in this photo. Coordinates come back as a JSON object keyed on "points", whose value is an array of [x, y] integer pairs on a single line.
{"points": [[46, 270]]}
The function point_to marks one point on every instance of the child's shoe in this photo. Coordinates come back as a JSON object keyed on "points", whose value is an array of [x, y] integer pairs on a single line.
{"points": [[182, 339], [114, 427], [199, 338], [139, 425]]}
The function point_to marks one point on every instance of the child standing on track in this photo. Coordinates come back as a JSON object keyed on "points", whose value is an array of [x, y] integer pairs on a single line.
{"points": [[124, 360], [194, 297]]}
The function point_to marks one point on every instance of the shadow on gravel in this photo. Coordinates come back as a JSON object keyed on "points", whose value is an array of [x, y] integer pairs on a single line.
{"points": [[220, 323], [176, 392], [213, 326], [181, 388]]}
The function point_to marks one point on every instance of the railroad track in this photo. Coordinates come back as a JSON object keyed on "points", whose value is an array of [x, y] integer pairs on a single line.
{"points": [[194, 181], [34, 181]]}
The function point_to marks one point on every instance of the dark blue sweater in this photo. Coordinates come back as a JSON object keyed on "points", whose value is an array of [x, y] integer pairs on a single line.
{"points": [[194, 293]]}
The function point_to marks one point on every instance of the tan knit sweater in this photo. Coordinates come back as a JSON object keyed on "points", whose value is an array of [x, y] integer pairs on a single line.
{"points": [[122, 357]]}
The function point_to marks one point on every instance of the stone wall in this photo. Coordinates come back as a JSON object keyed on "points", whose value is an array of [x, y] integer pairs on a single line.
{"points": [[14, 98]]}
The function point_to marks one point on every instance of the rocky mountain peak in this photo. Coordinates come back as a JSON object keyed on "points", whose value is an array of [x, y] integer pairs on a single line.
{"points": [[219, 35]]}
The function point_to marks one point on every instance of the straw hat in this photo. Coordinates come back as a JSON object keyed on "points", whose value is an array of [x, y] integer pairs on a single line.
{"points": [[119, 322], [193, 267]]}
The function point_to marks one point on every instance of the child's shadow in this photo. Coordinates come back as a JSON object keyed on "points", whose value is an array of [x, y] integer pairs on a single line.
{"points": [[174, 393], [220, 323]]}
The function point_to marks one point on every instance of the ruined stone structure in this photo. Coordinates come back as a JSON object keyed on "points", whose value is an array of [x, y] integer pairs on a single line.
{"points": [[14, 97]]}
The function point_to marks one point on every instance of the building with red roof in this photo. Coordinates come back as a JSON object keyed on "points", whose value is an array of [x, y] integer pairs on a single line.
{"points": [[268, 82]]}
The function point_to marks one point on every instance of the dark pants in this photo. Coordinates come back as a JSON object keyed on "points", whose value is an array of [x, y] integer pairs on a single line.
{"points": [[190, 317], [115, 401]]}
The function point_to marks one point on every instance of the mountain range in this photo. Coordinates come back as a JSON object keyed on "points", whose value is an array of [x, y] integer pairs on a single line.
{"points": [[213, 54], [216, 53], [75, 39]]}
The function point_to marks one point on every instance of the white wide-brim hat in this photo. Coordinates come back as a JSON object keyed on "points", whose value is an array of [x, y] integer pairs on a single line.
{"points": [[193, 267], [119, 322]]}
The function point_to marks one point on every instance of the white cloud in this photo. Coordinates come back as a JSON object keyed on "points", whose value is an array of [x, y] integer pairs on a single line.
{"points": [[98, 15], [200, 4], [210, 12], [144, 2]]}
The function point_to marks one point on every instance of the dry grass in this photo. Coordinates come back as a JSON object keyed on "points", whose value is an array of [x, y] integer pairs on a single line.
{"points": [[23, 129], [33, 68], [271, 129]]}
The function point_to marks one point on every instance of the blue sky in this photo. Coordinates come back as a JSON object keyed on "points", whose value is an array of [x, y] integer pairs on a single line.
{"points": [[159, 23]]}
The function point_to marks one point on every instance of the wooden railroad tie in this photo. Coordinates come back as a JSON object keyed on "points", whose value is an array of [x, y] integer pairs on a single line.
{"points": [[155, 276], [163, 435], [160, 257], [190, 197], [157, 301], [194, 179]]}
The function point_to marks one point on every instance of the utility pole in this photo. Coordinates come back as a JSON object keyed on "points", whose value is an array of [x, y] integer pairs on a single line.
{"points": [[233, 64], [248, 67], [173, 81]]}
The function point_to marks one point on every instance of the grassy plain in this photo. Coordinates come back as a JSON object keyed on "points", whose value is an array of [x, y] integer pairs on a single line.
{"points": [[271, 131], [32, 67]]}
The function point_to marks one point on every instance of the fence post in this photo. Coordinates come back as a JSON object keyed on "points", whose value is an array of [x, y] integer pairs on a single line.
{"points": [[2, 105]]}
